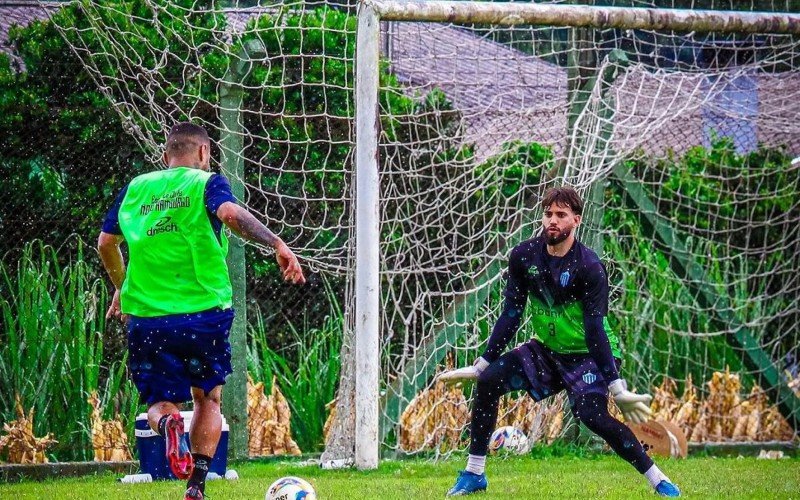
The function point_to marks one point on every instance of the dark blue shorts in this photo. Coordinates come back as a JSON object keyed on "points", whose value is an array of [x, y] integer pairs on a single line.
{"points": [[548, 372], [169, 355]]}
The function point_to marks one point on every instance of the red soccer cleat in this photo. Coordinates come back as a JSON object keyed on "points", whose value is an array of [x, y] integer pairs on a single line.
{"points": [[178, 454]]}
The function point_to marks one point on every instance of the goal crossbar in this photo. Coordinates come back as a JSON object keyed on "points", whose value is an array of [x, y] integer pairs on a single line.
{"points": [[509, 14]]}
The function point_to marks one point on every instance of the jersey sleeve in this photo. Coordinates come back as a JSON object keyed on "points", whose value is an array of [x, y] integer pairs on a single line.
{"points": [[218, 191], [599, 347], [111, 222], [595, 308], [516, 297], [595, 295]]}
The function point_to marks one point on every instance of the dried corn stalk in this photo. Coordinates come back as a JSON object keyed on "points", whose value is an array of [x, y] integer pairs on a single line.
{"points": [[723, 404], [540, 421], [723, 415], [665, 405], [687, 415], [109, 440], [700, 431], [331, 409], [555, 426], [435, 418], [268, 422], [23, 447], [765, 423]]}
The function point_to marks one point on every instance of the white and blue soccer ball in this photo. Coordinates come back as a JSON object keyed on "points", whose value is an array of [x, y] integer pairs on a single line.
{"points": [[291, 488], [509, 439]]}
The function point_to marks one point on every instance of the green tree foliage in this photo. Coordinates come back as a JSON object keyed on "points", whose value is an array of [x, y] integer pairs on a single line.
{"points": [[68, 154], [174, 48], [63, 151], [297, 113], [301, 135]]}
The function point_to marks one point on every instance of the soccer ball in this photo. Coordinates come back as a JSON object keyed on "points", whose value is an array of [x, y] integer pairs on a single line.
{"points": [[291, 488], [510, 440]]}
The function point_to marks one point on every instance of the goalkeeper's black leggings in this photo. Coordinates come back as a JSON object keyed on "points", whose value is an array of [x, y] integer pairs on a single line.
{"points": [[507, 375]]}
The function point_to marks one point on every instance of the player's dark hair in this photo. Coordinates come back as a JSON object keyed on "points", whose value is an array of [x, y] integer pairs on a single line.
{"points": [[184, 137], [565, 196]]}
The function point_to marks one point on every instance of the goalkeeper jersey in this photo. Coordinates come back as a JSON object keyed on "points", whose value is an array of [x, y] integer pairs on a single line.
{"points": [[561, 291]]}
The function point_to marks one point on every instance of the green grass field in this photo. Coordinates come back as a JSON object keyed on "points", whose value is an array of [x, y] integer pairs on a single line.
{"points": [[600, 476]]}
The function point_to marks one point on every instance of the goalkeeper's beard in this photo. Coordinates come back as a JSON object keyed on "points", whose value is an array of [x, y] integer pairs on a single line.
{"points": [[558, 238]]}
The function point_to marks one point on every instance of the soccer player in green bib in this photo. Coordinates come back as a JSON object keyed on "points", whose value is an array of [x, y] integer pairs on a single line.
{"points": [[574, 348], [175, 292]]}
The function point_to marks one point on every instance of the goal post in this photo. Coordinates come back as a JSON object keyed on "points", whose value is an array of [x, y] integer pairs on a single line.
{"points": [[367, 286], [370, 13]]}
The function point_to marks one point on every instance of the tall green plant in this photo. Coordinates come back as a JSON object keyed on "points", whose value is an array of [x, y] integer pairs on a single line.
{"points": [[51, 347], [307, 371]]}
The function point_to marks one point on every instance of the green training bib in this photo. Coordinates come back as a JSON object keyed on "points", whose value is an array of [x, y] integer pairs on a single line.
{"points": [[177, 264]]}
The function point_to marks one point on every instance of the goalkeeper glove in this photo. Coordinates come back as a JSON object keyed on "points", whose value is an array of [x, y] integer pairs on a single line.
{"points": [[635, 407], [464, 374]]}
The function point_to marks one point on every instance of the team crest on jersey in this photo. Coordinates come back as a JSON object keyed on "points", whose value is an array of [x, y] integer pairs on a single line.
{"points": [[533, 271], [589, 377], [564, 278]]}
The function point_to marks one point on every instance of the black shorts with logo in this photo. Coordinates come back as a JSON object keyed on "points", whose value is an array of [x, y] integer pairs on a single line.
{"points": [[548, 372], [169, 355]]}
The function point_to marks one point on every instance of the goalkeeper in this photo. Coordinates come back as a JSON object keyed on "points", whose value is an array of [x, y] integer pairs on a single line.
{"points": [[178, 294], [574, 349]]}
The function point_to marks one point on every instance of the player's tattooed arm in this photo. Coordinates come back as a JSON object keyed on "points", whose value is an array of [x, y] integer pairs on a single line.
{"points": [[246, 225]]}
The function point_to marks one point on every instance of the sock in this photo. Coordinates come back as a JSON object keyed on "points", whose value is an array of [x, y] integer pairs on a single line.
{"points": [[162, 425], [476, 464], [198, 477], [655, 476]]}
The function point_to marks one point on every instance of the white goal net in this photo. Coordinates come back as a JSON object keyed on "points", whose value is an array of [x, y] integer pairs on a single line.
{"points": [[680, 139]]}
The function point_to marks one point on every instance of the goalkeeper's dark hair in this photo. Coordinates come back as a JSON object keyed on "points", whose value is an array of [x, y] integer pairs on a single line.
{"points": [[564, 196], [184, 137]]}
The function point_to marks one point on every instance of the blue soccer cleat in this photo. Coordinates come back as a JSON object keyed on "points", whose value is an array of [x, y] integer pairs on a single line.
{"points": [[468, 483], [667, 489]]}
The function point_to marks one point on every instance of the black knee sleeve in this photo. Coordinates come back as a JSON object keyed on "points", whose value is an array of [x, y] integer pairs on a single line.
{"points": [[502, 376], [592, 410], [484, 414]]}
